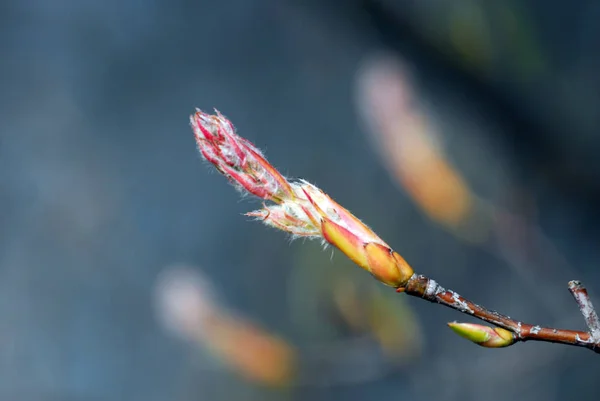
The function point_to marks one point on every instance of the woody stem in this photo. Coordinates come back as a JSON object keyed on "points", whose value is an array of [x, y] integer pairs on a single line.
{"points": [[428, 289], [587, 309]]}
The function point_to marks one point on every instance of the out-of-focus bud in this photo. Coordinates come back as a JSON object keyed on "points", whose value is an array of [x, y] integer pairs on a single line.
{"points": [[188, 307], [489, 337], [409, 147], [185, 301], [254, 353], [365, 308]]}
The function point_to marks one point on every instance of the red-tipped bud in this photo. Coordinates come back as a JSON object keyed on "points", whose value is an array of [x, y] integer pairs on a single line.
{"points": [[237, 158], [301, 208]]}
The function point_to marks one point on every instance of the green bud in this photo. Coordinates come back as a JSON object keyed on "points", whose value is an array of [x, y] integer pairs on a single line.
{"points": [[489, 337]]}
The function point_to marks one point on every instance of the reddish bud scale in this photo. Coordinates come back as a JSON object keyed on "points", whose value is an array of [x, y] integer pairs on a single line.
{"points": [[237, 158]]}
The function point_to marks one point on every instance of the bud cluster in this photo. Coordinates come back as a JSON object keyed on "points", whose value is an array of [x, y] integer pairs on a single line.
{"points": [[299, 208]]}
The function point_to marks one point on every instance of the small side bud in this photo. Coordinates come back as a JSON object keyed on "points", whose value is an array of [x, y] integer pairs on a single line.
{"points": [[489, 337]]}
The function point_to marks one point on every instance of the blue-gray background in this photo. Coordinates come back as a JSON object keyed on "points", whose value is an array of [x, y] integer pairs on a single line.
{"points": [[101, 186]]}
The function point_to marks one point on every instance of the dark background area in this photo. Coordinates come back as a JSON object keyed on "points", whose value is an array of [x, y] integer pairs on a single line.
{"points": [[102, 189]]}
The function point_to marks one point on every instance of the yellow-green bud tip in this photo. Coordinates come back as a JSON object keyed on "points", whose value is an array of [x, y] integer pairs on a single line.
{"points": [[483, 335]]}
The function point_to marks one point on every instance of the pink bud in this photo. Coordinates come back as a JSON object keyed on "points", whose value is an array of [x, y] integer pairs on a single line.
{"points": [[237, 158]]}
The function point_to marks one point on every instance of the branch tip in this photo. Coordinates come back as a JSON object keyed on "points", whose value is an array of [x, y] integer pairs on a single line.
{"points": [[579, 292], [302, 209]]}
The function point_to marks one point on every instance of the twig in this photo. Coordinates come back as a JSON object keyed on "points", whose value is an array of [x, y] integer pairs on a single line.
{"points": [[426, 288], [587, 309], [304, 210]]}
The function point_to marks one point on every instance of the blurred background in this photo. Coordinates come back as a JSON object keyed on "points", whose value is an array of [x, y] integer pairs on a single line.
{"points": [[464, 133]]}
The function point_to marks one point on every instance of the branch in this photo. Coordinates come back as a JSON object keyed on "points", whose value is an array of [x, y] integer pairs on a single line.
{"points": [[304, 210], [430, 290], [587, 309]]}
